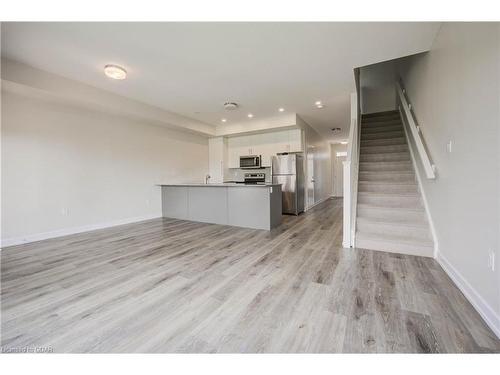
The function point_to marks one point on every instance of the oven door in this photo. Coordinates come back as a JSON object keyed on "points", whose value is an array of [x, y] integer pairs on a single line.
{"points": [[248, 162]]}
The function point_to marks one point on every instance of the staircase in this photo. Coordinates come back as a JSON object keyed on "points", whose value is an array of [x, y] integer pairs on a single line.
{"points": [[390, 213]]}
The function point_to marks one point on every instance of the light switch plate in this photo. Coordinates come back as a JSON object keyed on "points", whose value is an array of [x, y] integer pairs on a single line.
{"points": [[449, 146], [491, 260]]}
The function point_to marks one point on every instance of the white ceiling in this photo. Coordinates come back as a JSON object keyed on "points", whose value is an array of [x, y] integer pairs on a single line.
{"points": [[193, 68]]}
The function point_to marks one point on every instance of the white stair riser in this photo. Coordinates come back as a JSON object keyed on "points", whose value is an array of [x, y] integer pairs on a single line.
{"points": [[386, 122], [398, 201], [411, 249], [389, 116], [403, 166], [387, 188], [374, 124], [383, 142], [384, 135], [415, 233], [381, 129], [383, 149], [394, 156], [401, 215], [394, 176]]}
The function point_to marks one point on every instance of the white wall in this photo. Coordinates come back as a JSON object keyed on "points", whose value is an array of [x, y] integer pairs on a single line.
{"points": [[454, 90], [26, 79], [377, 87], [322, 162], [66, 168]]}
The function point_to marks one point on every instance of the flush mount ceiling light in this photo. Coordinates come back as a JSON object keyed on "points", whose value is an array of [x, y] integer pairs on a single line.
{"points": [[319, 104], [223, 120], [115, 72], [281, 109], [250, 115], [343, 143], [230, 106]]}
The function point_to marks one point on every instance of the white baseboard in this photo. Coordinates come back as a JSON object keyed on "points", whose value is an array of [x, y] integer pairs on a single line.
{"points": [[488, 314], [67, 231], [318, 202]]}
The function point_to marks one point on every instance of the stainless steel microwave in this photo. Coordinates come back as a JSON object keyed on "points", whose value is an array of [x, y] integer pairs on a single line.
{"points": [[250, 161]]}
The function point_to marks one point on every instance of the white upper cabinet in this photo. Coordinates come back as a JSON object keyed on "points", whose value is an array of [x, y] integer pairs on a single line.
{"points": [[265, 147], [264, 144], [250, 144], [235, 149], [295, 140], [280, 142]]}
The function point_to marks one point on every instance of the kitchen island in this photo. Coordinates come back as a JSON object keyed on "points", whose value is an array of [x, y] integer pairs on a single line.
{"points": [[255, 206]]}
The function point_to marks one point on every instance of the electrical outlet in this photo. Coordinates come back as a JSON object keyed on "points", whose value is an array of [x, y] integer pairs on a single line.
{"points": [[491, 260]]}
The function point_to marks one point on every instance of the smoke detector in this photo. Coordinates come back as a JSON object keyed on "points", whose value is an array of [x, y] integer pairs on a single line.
{"points": [[230, 106]]}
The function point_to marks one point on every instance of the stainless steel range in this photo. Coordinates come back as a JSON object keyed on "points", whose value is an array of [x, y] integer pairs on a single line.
{"points": [[255, 178]]}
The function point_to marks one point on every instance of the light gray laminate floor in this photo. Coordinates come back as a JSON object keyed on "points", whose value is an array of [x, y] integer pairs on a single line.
{"points": [[175, 286]]}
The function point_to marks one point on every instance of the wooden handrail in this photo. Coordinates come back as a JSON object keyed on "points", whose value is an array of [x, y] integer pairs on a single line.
{"points": [[406, 110]]}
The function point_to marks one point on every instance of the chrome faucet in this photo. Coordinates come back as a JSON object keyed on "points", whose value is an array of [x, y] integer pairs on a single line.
{"points": [[207, 177]]}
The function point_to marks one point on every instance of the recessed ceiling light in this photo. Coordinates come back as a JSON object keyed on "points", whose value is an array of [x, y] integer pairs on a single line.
{"points": [[223, 120], [281, 109], [318, 103], [115, 72], [250, 115], [320, 106]]}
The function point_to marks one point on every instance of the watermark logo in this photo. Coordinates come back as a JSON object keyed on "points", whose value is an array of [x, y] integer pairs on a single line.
{"points": [[26, 349]]}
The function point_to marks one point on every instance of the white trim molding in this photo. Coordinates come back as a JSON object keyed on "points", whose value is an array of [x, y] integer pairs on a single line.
{"points": [[421, 187], [318, 202], [415, 131], [350, 173], [13, 241], [488, 314]]}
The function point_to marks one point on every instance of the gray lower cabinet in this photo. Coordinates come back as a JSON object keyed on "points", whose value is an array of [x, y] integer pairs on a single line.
{"points": [[256, 207], [174, 202], [208, 205], [249, 207]]}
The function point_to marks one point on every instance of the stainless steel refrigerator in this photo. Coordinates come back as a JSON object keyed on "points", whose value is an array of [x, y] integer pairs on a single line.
{"points": [[288, 171]]}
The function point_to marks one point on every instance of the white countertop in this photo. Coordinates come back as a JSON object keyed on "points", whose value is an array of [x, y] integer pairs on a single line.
{"points": [[227, 184]]}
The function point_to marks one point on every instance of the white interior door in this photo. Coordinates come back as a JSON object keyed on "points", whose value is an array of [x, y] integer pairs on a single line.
{"points": [[338, 174], [310, 176]]}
